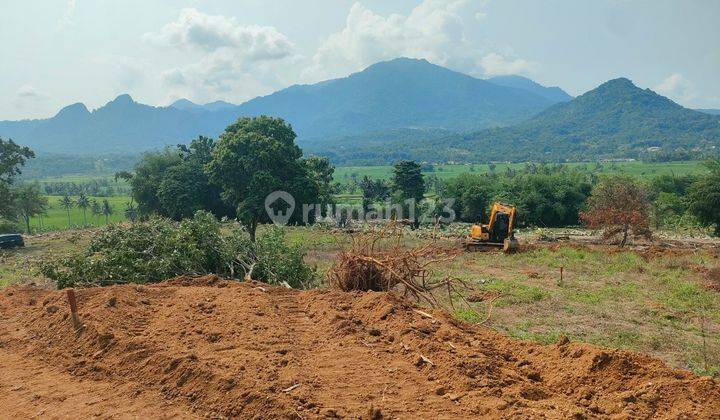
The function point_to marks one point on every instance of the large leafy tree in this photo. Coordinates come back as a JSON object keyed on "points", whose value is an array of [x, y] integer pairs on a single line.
{"points": [[408, 184], [322, 171], [12, 157], [147, 177], [174, 183], [186, 187], [29, 201], [408, 180], [255, 157], [704, 196], [373, 190], [472, 194]]}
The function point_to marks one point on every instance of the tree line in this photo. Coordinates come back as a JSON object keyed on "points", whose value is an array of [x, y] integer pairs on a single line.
{"points": [[231, 177]]}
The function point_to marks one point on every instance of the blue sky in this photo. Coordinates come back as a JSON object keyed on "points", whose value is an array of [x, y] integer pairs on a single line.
{"points": [[57, 52]]}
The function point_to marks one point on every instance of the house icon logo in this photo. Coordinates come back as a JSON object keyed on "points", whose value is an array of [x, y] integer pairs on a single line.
{"points": [[280, 205]]}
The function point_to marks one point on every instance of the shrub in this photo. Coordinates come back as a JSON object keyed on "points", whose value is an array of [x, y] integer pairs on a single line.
{"points": [[619, 205], [159, 249]]}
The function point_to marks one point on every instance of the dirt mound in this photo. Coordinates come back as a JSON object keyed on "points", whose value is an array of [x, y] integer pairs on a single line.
{"points": [[211, 347]]}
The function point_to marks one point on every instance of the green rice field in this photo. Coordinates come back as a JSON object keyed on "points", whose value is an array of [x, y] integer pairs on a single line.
{"points": [[56, 217]]}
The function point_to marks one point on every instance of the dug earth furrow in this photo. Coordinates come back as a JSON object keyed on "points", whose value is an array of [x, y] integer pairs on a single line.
{"points": [[209, 347]]}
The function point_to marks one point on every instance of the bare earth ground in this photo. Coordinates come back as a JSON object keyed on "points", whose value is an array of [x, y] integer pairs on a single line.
{"points": [[216, 348]]}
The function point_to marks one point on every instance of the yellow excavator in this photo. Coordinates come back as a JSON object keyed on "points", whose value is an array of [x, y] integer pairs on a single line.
{"points": [[498, 233]]}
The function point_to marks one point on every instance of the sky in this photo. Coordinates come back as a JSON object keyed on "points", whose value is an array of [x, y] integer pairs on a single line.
{"points": [[57, 52]]}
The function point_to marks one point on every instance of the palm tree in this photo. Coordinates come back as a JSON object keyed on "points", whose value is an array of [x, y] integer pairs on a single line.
{"points": [[83, 203], [67, 204], [106, 210], [95, 207]]}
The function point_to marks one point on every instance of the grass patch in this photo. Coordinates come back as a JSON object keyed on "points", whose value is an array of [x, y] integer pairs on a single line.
{"points": [[515, 292], [468, 316], [606, 294]]}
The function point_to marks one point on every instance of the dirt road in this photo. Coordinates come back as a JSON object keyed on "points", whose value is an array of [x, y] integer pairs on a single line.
{"points": [[213, 348]]}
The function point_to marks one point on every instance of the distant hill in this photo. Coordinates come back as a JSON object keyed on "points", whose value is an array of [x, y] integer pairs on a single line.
{"points": [[187, 105], [553, 94], [401, 93], [398, 94], [709, 111], [615, 120]]}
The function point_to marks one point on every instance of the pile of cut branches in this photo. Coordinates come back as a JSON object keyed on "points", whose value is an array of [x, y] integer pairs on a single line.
{"points": [[378, 260]]}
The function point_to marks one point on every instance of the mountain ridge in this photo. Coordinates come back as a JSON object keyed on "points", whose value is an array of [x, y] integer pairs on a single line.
{"points": [[615, 120], [399, 93]]}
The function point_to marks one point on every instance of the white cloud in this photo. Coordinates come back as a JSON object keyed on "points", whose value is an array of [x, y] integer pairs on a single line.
{"points": [[67, 18], [434, 30], [495, 64], [224, 59], [28, 97], [678, 88], [27, 92], [194, 29]]}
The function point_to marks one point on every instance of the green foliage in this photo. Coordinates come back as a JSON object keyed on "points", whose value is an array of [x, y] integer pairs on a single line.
{"points": [[322, 171], [83, 202], [255, 157], [12, 157], [160, 249], [29, 201], [373, 190], [704, 195], [408, 181], [276, 261], [545, 195], [472, 195], [106, 210], [174, 183]]}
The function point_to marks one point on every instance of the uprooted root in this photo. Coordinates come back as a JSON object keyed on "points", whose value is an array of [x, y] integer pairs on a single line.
{"points": [[378, 261]]}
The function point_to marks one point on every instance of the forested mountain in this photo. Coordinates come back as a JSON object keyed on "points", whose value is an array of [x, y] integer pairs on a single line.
{"points": [[405, 109], [401, 93], [553, 94], [615, 120], [397, 94]]}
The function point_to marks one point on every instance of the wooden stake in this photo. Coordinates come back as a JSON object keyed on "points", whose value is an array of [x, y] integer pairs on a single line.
{"points": [[73, 308], [561, 275]]}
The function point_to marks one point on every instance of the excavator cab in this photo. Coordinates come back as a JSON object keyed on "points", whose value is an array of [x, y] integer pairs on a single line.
{"points": [[498, 233]]}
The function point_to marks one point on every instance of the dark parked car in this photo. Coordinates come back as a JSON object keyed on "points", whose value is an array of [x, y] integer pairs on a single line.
{"points": [[11, 241]]}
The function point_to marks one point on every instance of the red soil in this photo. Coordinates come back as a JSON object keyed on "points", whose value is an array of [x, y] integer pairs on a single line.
{"points": [[215, 348]]}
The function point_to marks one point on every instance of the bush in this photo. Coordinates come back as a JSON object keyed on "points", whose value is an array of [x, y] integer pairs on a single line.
{"points": [[619, 205], [160, 249], [704, 197], [545, 195], [9, 226]]}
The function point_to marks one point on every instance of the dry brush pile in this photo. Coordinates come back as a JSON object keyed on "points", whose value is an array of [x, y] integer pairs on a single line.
{"points": [[379, 261]]}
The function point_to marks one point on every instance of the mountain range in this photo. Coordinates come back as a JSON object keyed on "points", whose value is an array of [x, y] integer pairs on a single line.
{"points": [[395, 94], [402, 109]]}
